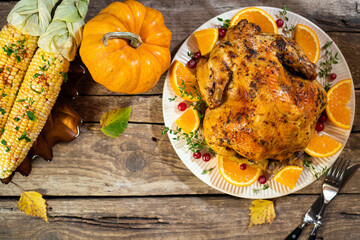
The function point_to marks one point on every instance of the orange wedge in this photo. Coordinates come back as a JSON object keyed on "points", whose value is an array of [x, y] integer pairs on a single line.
{"points": [[231, 172], [309, 41], [206, 39], [189, 121], [322, 146], [257, 16], [337, 111], [288, 176], [183, 82]]}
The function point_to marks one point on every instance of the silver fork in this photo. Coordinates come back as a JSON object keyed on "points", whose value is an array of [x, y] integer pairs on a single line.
{"points": [[331, 186]]}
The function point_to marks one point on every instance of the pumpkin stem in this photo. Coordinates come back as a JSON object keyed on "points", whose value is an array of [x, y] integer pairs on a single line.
{"points": [[135, 40]]}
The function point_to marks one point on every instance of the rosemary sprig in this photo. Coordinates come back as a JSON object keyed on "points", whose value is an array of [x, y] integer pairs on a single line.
{"points": [[226, 23], [287, 30], [172, 99], [326, 66]]}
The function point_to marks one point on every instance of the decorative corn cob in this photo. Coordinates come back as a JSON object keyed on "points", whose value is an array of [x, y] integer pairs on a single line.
{"points": [[41, 86], [18, 42]]}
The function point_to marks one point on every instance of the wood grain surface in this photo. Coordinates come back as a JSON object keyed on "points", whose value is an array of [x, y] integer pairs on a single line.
{"points": [[136, 187]]}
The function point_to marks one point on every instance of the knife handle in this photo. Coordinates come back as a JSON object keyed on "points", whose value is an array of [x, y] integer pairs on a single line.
{"points": [[312, 236], [294, 234]]}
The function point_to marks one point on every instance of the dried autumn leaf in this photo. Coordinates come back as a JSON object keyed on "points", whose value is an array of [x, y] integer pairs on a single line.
{"points": [[261, 211], [114, 122], [32, 203]]}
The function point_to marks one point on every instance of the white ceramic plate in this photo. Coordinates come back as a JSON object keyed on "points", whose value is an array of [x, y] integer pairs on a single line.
{"points": [[196, 166]]}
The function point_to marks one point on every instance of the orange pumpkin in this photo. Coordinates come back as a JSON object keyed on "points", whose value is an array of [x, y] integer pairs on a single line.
{"points": [[126, 47]]}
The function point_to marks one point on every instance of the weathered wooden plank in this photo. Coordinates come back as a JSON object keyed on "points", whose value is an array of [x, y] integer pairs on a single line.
{"points": [[220, 217], [139, 163]]}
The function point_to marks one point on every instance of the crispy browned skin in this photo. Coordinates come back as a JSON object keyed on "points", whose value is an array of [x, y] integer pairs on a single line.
{"points": [[262, 101]]}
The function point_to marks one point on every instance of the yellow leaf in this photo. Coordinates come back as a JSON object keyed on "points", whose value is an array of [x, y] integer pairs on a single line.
{"points": [[261, 211], [32, 203]]}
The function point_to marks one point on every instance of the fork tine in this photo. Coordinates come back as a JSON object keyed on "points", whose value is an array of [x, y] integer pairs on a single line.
{"points": [[340, 170], [333, 168], [343, 171]]}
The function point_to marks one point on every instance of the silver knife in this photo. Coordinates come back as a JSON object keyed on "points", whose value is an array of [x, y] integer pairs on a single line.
{"points": [[311, 215]]}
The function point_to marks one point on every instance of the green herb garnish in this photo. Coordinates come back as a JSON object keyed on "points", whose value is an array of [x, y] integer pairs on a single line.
{"points": [[207, 171], [25, 137], [31, 115], [263, 188], [226, 23], [287, 30]]}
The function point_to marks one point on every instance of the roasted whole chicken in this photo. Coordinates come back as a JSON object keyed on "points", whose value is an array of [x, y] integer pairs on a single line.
{"points": [[262, 96]]}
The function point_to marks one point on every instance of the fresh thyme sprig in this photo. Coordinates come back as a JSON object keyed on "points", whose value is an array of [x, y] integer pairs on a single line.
{"points": [[172, 99], [194, 141], [326, 66], [226, 23], [263, 188], [287, 30], [190, 54], [308, 164], [207, 171]]}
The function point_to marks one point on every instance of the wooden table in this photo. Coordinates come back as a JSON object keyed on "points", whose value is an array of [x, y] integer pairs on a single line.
{"points": [[135, 186]]}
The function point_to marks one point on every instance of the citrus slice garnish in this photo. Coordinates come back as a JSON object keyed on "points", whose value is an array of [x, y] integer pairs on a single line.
{"points": [[231, 172], [338, 96], [206, 39], [322, 146], [288, 175], [183, 82], [189, 121], [257, 16], [309, 42]]}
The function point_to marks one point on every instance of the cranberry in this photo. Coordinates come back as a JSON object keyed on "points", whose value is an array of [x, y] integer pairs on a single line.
{"points": [[197, 155], [243, 166], [182, 106], [262, 179], [206, 157], [197, 55], [320, 126], [191, 63], [222, 32], [333, 76], [279, 23], [323, 118]]}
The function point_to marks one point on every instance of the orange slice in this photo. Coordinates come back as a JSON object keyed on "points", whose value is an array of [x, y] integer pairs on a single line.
{"points": [[206, 39], [183, 82], [231, 172], [257, 16], [189, 121], [337, 111], [309, 41], [288, 176], [322, 146]]}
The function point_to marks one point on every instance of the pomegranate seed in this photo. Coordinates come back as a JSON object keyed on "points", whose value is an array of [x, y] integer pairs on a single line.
{"points": [[182, 106], [197, 55], [262, 179], [333, 76], [279, 23], [222, 32], [197, 155], [191, 63], [243, 166], [320, 126], [206, 157], [323, 118]]}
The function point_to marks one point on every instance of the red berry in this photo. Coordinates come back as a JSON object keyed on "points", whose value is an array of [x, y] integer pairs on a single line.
{"points": [[197, 155], [182, 106], [197, 55], [191, 63], [333, 76], [262, 179], [279, 22], [206, 157], [323, 118], [320, 126], [222, 32], [243, 166]]}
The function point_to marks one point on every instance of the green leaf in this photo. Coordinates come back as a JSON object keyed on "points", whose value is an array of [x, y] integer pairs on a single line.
{"points": [[114, 122], [31, 115]]}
